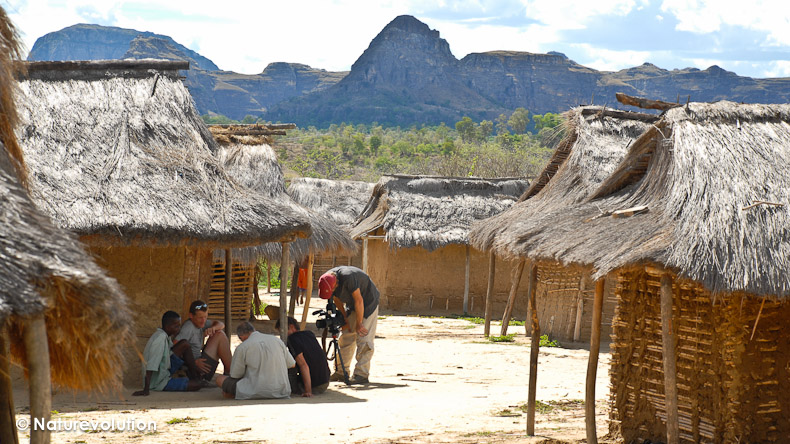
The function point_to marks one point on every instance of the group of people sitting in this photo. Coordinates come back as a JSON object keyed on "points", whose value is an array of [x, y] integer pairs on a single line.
{"points": [[185, 358]]}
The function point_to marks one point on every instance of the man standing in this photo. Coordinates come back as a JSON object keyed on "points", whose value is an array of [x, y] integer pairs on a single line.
{"points": [[260, 367], [357, 298], [217, 347], [311, 374]]}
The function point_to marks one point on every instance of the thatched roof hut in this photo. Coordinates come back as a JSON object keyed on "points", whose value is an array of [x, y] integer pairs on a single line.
{"points": [[252, 162], [596, 140], [432, 212], [411, 221], [56, 304], [339, 200], [694, 222], [119, 155]]}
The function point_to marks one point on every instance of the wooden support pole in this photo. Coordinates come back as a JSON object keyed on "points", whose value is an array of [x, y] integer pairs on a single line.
{"points": [[283, 297], [511, 298], [268, 277], [228, 282], [592, 363], [364, 255], [490, 292], [310, 262], [534, 348], [37, 351], [577, 329], [466, 282], [8, 432], [294, 290], [670, 361]]}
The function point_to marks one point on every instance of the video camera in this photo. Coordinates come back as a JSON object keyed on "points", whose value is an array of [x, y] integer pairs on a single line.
{"points": [[331, 320]]}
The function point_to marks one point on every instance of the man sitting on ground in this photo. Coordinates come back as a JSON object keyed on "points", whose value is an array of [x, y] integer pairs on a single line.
{"points": [[162, 359], [217, 346], [311, 374], [259, 368]]}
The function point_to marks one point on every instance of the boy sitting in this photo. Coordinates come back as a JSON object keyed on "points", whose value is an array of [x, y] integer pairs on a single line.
{"points": [[162, 359]]}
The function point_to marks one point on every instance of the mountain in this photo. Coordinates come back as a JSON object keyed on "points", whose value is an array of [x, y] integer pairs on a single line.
{"points": [[407, 76], [95, 42]]}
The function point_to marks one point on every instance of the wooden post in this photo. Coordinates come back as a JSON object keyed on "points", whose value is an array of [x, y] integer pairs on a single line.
{"points": [[670, 363], [283, 297], [228, 282], [294, 290], [7, 413], [534, 348], [577, 329], [592, 363], [310, 262], [364, 254], [268, 277], [466, 282], [37, 351], [511, 299], [490, 292]]}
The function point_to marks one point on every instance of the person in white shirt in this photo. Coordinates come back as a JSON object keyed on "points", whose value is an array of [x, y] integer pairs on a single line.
{"points": [[259, 368]]}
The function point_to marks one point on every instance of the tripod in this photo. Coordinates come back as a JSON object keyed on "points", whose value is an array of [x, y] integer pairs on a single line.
{"points": [[334, 351]]}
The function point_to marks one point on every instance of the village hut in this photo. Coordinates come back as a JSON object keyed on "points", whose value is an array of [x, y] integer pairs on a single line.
{"points": [[247, 154], [56, 305], [118, 154], [694, 220], [595, 142], [339, 200], [412, 221]]}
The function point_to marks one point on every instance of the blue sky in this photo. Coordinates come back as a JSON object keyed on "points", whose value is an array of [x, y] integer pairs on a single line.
{"points": [[749, 38]]}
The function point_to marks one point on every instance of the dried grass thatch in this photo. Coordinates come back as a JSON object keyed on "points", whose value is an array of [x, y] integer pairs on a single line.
{"points": [[121, 156], [592, 148], [255, 166], [433, 212], [45, 270], [339, 200], [10, 54], [699, 171]]}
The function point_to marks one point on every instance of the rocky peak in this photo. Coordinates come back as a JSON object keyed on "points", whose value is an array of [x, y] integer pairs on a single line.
{"points": [[404, 52]]}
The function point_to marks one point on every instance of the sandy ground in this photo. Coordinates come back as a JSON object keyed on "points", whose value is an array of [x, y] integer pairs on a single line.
{"points": [[432, 380]]}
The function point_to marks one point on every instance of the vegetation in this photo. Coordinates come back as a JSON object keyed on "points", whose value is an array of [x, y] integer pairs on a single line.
{"points": [[510, 337], [504, 148], [546, 342]]}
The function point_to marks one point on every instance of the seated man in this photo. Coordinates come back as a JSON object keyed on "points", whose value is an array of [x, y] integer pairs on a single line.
{"points": [[162, 359], [259, 368], [311, 374], [217, 346]]}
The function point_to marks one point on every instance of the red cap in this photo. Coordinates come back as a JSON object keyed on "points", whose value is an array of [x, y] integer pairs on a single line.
{"points": [[326, 284]]}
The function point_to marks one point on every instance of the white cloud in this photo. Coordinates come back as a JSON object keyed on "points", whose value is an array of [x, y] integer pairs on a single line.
{"points": [[780, 68], [608, 60], [705, 16], [572, 14]]}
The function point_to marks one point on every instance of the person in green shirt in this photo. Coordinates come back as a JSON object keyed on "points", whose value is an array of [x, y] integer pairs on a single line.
{"points": [[162, 358]]}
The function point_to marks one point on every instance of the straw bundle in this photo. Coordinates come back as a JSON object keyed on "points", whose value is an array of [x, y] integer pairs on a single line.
{"points": [[339, 200]]}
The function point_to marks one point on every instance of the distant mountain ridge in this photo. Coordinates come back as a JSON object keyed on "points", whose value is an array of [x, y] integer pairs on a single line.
{"points": [[407, 76]]}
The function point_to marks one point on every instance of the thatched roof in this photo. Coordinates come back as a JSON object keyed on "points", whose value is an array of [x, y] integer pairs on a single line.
{"points": [[121, 156], [339, 200], [593, 146], [433, 212], [254, 165], [45, 270], [698, 171]]}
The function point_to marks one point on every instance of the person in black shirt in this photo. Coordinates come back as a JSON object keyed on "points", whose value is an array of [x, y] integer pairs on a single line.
{"points": [[311, 374]]}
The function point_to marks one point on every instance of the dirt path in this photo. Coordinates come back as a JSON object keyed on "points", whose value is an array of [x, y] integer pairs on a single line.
{"points": [[432, 380]]}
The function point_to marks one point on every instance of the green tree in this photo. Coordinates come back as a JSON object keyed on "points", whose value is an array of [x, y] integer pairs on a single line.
{"points": [[501, 125], [548, 120], [466, 128], [486, 128], [249, 119], [375, 143], [519, 120]]}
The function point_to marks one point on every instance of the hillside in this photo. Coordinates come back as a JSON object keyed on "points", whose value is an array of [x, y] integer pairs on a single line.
{"points": [[408, 76]]}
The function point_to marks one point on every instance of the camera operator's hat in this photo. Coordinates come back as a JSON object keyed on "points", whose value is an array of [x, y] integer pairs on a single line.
{"points": [[325, 285]]}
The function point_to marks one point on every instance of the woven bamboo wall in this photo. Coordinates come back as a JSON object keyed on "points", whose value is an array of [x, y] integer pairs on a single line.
{"points": [[326, 261], [730, 388], [558, 293], [241, 291]]}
